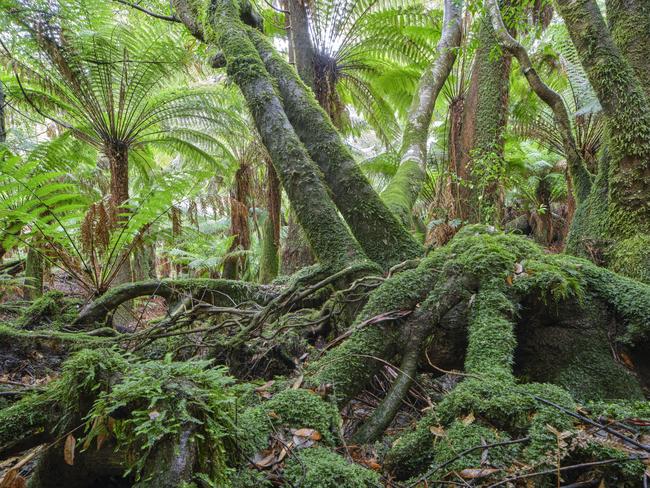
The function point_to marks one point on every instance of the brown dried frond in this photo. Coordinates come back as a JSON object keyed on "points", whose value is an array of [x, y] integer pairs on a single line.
{"points": [[104, 226], [87, 228]]}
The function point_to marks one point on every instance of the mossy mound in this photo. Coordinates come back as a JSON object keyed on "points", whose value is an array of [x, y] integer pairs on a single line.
{"points": [[51, 310], [319, 467]]}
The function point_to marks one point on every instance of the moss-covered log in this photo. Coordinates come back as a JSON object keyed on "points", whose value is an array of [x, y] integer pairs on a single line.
{"points": [[213, 291]]}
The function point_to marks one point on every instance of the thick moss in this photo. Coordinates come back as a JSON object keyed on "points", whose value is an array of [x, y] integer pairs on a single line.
{"points": [[321, 468], [52, 309], [412, 452], [291, 408], [631, 257]]}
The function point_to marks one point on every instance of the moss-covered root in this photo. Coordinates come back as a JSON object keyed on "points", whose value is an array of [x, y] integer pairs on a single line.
{"points": [[381, 235], [226, 292], [349, 367]]}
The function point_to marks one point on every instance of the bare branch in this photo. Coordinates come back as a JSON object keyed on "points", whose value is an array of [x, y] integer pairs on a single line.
{"points": [[168, 18]]}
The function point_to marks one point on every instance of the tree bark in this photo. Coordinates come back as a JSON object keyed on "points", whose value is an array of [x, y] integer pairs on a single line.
{"points": [[304, 55], [629, 22], [33, 274], [580, 176], [270, 259], [480, 150], [379, 232], [627, 117], [239, 204], [404, 188]]}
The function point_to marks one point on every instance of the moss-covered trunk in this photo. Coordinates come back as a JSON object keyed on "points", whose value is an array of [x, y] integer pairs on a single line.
{"points": [[480, 149], [270, 258]]}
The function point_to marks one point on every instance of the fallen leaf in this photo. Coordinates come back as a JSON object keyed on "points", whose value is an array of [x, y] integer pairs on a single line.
{"points": [[474, 473], [469, 419], [154, 414], [68, 449], [13, 479], [437, 431], [314, 435], [266, 461]]}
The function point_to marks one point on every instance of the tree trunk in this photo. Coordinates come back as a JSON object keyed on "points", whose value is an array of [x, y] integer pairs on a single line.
{"points": [[480, 150], [33, 274], [304, 55], [270, 259], [329, 238], [629, 22], [627, 116], [379, 232], [234, 266], [404, 188], [118, 161], [3, 130]]}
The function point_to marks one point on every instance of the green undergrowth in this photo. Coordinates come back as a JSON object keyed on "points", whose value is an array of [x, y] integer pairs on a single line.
{"points": [[52, 310], [292, 408], [319, 467]]}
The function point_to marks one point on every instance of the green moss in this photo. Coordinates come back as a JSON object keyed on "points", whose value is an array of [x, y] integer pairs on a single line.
{"points": [[631, 258], [321, 468], [249, 478], [52, 310], [412, 452], [459, 437], [290, 408]]}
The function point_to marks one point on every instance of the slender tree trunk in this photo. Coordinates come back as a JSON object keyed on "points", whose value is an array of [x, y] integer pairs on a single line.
{"points": [[33, 274], [239, 204], [118, 161], [3, 130], [270, 259], [403, 189], [304, 55], [296, 253], [484, 119]]}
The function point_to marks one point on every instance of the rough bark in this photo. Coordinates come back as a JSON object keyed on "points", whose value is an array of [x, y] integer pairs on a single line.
{"points": [[33, 274], [381, 235], [480, 149], [3, 130], [404, 188], [270, 258], [629, 22], [239, 204], [627, 116]]}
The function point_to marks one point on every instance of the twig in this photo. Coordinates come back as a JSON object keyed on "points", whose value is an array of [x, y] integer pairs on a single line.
{"points": [[594, 423], [168, 18], [465, 453], [566, 468]]}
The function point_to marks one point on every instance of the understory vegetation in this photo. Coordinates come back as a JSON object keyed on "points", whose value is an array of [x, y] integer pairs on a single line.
{"points": [[324, 243]]}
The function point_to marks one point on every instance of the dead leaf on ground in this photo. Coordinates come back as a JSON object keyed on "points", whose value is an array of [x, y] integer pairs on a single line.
{"points": [[13, 479], [68, 449], [469, 418], [475, 473], [437, 431]]}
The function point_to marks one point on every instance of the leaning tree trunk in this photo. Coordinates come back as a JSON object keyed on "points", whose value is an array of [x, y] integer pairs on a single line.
{"points": [[480, 149], [328, 236], [404, 187]]}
